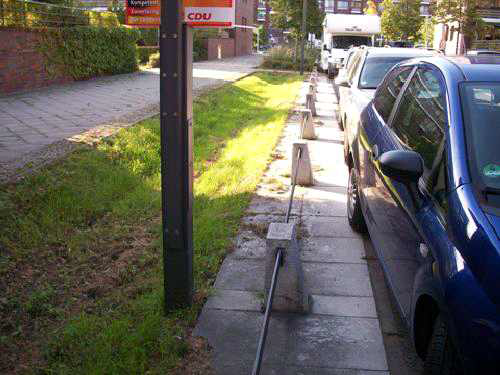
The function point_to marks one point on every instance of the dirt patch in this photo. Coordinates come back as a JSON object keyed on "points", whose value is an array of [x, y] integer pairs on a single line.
{"points": [[41, 292]]}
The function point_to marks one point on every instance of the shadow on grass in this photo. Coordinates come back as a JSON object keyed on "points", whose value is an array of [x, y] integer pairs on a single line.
{"points": [[87, 229]]}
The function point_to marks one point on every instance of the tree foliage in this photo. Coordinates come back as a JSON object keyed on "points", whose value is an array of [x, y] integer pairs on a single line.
{"points": [[463, 13], [288, 15], [401, 20]]}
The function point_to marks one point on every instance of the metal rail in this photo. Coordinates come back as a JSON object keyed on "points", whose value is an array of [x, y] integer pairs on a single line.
{"points": [[269, 306], [278, 262], [294, 182]]}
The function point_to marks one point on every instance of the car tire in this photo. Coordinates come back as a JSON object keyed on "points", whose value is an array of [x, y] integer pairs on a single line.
{"points": [[442, 357], [354, 212]]}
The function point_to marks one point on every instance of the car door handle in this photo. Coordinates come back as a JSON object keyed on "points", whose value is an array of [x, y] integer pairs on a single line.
{"points": [[375, 152]]}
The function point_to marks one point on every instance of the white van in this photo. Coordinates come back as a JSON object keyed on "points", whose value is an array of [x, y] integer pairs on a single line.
{"points": [[342, 31]]}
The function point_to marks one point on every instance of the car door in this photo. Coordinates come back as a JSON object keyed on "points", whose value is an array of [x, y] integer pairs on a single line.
{"points": [[418, 123], [374, 118], [346, 92]]}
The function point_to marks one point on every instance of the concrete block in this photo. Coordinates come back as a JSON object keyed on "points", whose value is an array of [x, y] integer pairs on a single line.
{"points": [[304, 172], [333, 250], [311, 103], [307, 126], [290, 294], [359, 307], [337, 279], [236, 300], [312, 90]]}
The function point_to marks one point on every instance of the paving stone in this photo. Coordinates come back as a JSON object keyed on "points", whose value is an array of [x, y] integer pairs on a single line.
{"points": [[319, 226], [235, 300], [296, 341], [325, 201], [241, 274], [341, 342], [360, 307], [328, 249], [334, 279], [249, 245], [104, 99], [234, 335]]}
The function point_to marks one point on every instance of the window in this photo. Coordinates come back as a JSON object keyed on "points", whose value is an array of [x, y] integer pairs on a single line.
{"points": [[388, 91], [342, 5], [420, 120]]}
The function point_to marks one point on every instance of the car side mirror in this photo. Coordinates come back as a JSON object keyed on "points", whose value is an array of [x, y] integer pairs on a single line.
{"points": [[406, 167], [402, 165], [343, 82]]}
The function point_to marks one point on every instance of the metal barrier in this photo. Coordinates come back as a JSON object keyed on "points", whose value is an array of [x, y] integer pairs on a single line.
{"points": [[277, 264], [36, 14], [269, 306], [294, 182]]}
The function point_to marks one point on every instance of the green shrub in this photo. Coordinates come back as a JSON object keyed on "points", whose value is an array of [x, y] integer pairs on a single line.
{"points": [[144, 54], [283, 57], [154, 60], [84, 52]]}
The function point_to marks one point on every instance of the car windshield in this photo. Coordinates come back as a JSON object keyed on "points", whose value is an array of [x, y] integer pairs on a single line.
{"points": [[481, 113], [375, 69], [348, 41]]}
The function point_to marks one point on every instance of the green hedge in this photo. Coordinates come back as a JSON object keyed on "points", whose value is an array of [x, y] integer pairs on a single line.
{"points": [[284, 58], [84, 52]]}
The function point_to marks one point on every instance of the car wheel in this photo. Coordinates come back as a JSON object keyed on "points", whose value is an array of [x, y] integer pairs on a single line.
{"points": [[354, 213], [442, 357]]}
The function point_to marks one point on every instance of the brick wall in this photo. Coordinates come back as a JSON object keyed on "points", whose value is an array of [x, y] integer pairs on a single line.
{"points": [[21, 65], [220, 48], [245, 15]]}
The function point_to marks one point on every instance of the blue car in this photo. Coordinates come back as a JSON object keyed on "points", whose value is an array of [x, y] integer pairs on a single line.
{"points": [[425, 182]]}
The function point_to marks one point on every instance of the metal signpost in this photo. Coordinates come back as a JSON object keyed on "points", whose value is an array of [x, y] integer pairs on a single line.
{"points": [[176, 115]]}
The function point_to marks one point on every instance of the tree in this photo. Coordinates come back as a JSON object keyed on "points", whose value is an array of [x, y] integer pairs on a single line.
{"points": [[287, 14], [401, 20], [426, 32], [463, 13]]}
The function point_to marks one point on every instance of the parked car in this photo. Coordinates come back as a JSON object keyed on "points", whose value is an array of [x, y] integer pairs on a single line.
{"points": [[424, 179], [366, 71], [482, 52]]}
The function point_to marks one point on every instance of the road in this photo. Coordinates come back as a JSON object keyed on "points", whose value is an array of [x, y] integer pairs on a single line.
{"points": [[33, 120]]}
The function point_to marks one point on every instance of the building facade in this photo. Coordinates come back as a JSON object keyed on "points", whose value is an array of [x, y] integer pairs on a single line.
{"points": [[449, 39]]}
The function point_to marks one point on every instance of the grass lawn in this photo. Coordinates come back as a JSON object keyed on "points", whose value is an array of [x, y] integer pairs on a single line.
{"points": [[80, 242]]}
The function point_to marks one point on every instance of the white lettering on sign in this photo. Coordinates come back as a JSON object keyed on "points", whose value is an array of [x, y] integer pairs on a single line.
{"points": [[199, 16]]}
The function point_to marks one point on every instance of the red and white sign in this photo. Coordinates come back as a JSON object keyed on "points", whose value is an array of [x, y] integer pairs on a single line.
{"points": [[209, 13], [197, 13]]}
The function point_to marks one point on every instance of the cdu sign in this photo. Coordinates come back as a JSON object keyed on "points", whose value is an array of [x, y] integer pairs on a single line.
{"points": [[197, 13], [209, 13]]}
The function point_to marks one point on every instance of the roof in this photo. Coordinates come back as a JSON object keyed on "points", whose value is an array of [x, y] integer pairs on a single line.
{"points": [[397, 52], [478, 68]]}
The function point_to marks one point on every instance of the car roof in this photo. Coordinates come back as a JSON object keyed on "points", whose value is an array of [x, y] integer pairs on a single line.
{"points": [[397, 52], [477, 68]]}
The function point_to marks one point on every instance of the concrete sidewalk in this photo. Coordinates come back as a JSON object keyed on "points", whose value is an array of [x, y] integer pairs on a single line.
{"points": [[31, 121], [341, 335]]}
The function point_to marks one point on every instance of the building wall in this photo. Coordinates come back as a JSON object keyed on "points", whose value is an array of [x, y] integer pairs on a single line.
{"points": [[243, 37], [22, 67], [220, 48]]}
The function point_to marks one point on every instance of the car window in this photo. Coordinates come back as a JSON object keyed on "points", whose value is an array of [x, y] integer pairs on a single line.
{"points": [[375, 68], [389, 90], [420, 120]]}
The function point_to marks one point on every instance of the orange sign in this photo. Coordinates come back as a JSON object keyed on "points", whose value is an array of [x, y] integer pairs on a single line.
{"points": [[197, 13], [142, 13]]}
